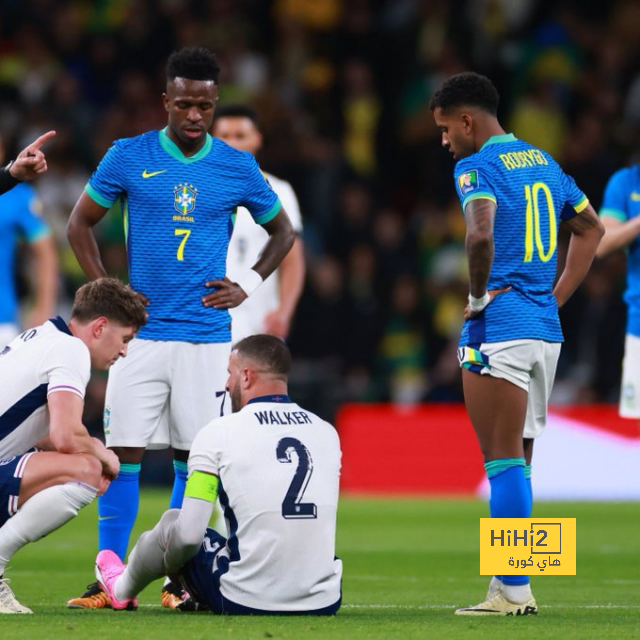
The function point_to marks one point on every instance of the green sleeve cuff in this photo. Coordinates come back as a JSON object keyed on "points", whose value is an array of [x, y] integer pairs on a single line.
{"points": [[271, 214], [39, 234], [476, 196], [95, 196], [613, 213]]}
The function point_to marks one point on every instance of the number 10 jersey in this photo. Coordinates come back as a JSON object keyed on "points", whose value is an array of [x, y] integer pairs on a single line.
{"points": [[532, 195]]}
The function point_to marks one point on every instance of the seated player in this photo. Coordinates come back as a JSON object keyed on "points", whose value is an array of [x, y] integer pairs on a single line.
{"points": [[276, 469], [43, 376]]}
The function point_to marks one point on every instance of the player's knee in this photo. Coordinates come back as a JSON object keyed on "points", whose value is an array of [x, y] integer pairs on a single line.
{"points": [[87, 469], [165, 525]]}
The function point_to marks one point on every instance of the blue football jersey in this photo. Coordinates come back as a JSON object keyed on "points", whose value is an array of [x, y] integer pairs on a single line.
{"points": [[622, 201], [19, 218], [532, 196], [177, 216]]}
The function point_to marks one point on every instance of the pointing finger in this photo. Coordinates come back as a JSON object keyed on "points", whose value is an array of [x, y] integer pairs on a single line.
{"points": [[45, 137]]}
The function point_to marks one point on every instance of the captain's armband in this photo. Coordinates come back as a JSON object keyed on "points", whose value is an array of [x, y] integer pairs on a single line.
{"points": [[203, 486]]}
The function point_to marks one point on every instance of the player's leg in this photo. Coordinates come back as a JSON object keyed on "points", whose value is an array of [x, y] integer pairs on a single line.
{"points": [[43, 491], [136, 403], [543, 373], [496, 402], [197, 396], [629, 406], [146, 563]]}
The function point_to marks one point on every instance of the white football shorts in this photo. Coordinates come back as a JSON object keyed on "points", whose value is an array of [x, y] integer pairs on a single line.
{"points": [[529, 364], [164, 392], [630, 386]]}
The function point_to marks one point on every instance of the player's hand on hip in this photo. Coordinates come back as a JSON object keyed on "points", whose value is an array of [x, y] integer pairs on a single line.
{"points": [[227, 294], [469, 313]]}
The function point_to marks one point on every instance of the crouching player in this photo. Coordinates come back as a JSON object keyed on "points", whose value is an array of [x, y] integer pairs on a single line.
{"points": [[275, 468], [43, 376]]}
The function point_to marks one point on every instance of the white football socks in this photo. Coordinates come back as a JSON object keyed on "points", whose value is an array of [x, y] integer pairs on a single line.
{"points": [[146, 561], [41, 514]]}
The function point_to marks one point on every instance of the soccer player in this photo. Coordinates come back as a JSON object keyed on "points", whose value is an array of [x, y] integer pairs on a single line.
{"points": [[620, 215], [276, 469], [272, 307], [20, 217], [513, 197], [44, 373], [179, 188], [29, 164]]}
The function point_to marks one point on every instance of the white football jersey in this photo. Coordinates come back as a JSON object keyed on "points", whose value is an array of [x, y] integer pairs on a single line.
{"points": [[40, 361], [246, 244], [279, 470]]}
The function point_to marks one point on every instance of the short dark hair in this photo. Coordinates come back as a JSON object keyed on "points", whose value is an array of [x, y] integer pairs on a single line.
{"points": [[466, 89], [266, 350], [111, 298], [236, 111], [194, 63]]}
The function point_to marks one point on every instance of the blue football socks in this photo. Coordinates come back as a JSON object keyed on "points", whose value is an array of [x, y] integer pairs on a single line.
{"points": [[180, 470], [117, 510], [510, 497]]}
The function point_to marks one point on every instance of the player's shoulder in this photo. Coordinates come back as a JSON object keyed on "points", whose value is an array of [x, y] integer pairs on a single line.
{"points": [[626, 176], [23, 192], [277, 184], [135, 143], [223, 150]]}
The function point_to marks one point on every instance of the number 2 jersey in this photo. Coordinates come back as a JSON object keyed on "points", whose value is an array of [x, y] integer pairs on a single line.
{"points": [[177, 214], [532, 195], [279, 471]]}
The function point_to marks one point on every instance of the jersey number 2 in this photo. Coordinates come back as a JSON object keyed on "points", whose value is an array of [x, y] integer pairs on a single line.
{"points": [[181, 232], [532, 223], [292, 505]]}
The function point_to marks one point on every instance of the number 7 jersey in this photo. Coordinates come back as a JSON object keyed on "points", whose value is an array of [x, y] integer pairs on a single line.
{"points": [[177, 214], [279, 470], [532, 195]]}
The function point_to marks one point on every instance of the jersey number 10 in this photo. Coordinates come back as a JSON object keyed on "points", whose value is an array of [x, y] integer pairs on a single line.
{"points": [[532, 223]]}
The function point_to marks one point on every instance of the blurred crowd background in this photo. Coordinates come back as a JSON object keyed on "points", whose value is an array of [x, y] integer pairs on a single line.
{"points": [[342, 89]]}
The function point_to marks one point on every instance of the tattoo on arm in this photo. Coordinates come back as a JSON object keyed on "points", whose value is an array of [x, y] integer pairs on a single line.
{"points": [[479, 216]]}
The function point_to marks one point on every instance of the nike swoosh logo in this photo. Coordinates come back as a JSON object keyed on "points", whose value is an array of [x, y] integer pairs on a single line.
{"points": [[635, 197], [102, 518], [150, 174]]}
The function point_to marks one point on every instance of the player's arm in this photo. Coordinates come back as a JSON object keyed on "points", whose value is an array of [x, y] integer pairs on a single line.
{"points": [[85, 215], [189, 529], [45, 271], [291, 281], [230, 294], [68, 435], [479, 215], [617, 234], [586, 232]]}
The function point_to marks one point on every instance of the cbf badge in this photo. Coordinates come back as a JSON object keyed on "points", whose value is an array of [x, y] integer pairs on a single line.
{"points": [[468, 181], [106, 418], [184, 198]]}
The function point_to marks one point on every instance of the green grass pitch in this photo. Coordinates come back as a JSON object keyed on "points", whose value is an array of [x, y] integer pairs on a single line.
{"points": [[408, 564]]}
